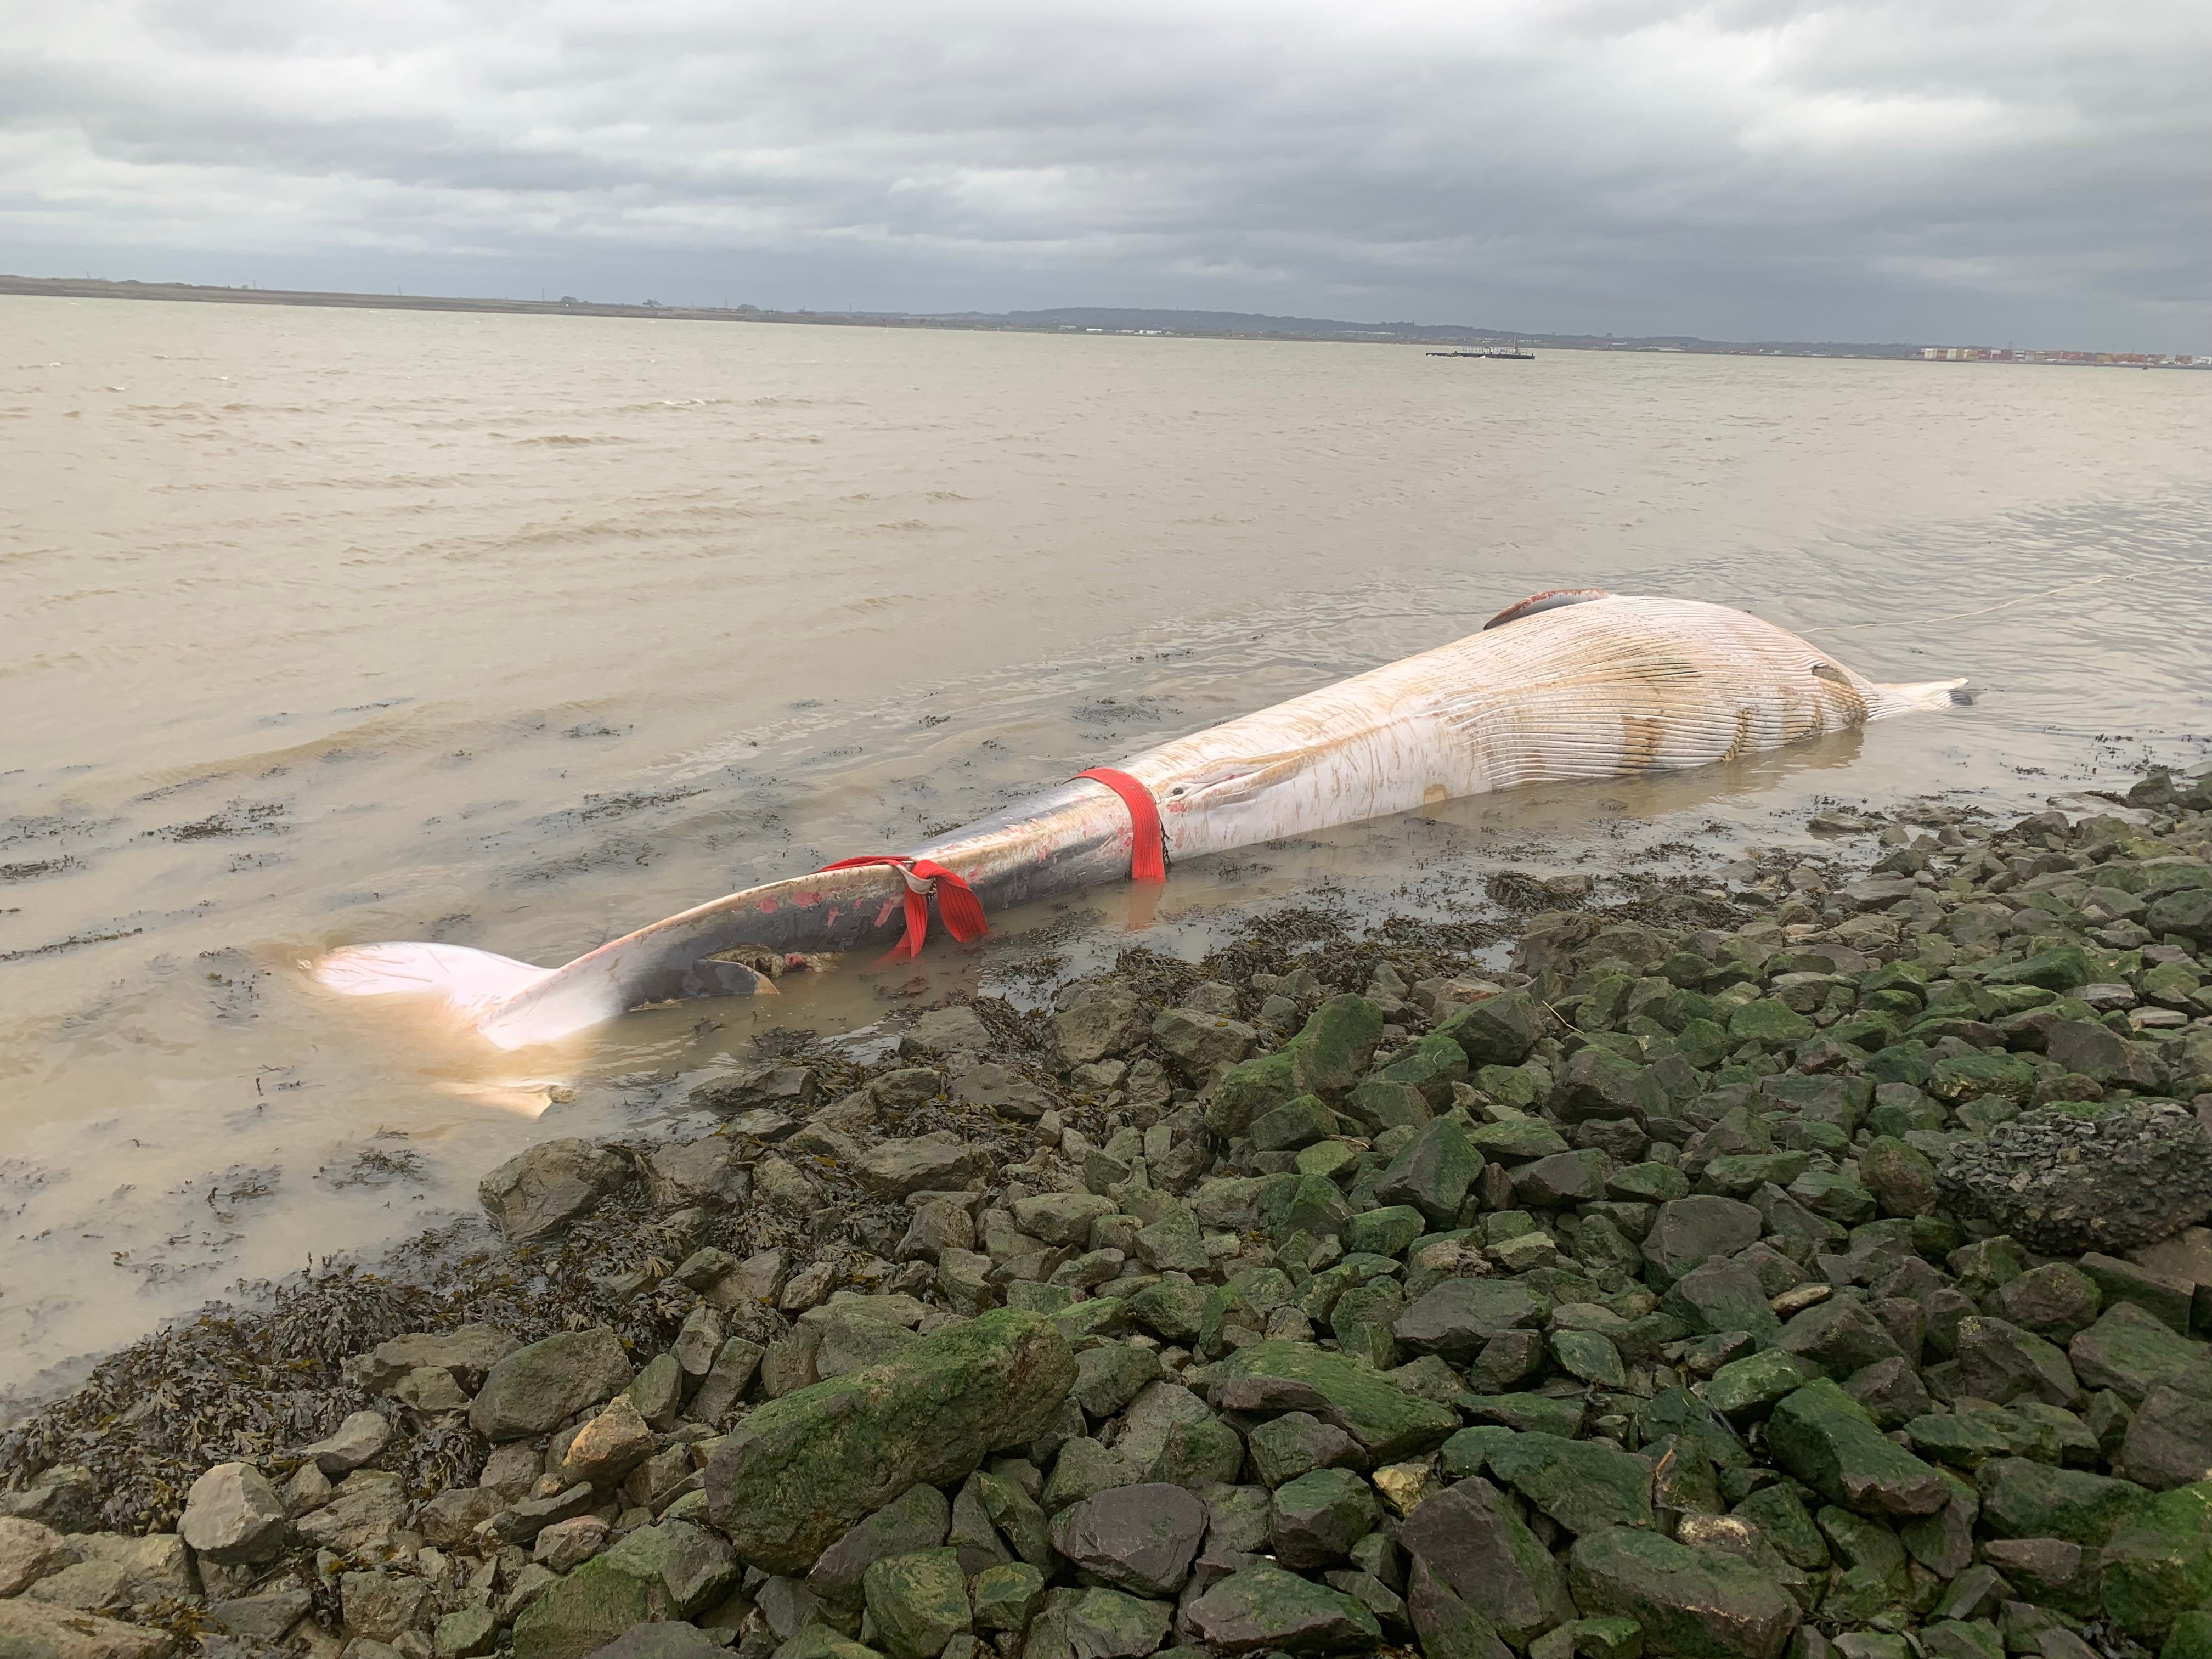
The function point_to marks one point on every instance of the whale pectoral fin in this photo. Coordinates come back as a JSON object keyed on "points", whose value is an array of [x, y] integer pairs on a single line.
{"points": [[744, 972], [467, 979], [1552, 600]]}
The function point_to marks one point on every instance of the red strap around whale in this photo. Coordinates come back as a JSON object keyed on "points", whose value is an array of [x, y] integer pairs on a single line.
{"points": [[956, 903], [1147, 861]]}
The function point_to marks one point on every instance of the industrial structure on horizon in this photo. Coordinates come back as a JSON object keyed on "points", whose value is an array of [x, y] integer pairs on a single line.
{"points": [[2091, 358]]}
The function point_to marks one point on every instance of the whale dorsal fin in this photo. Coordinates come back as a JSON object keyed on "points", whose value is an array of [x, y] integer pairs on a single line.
{"points": [[1551, 600]]}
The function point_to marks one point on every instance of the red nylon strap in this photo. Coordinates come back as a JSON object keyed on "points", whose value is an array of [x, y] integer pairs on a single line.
{"points": [[958, 906], [1147, 862]]}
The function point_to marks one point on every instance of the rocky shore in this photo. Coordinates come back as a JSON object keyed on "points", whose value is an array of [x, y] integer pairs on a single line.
{"points": [[1811, 1264]]}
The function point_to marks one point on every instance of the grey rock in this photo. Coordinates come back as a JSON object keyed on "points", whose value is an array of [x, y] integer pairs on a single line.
{"points": [[690, 1566], [2131, 1353], [608, 1447], [1317, 1517], [1002, 1090], [566, 1545], [1432, 1173], [360, 1439], [938, 1161], [27, 1549], [382, 1607], [1692, 1603], [1687, 1231], [548, 1186], [735, 1364], [1456, 1317], [674, 1639], [917, 1603], [946, 1032], [233, 1516], [2169, 1438], [65, 1498], [796, 1473], [1100, 1020], [468, 1353], [465, 1634], [1264, 1608], [85, 1586], [657, 1391], [1296, 1444], [699, 1172], [366, 1506], [2066, 1181], [1138, 1538], [451, 1518], [1473, 1539], [535, 1389], [917, 1520], [1840, 1335], [527, 1520], [31, 1631], [1062, 1219], [264, 1616], [1720, 1295], [1998, 1361], [1202, 1041], [1096, 1624], [1108, 1377]]}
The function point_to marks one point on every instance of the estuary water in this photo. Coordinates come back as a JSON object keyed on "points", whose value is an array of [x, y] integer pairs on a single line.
{"points": [[319, 626]]}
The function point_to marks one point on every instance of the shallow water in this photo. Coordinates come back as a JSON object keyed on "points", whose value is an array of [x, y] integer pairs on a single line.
{"points": [[322, 627]]}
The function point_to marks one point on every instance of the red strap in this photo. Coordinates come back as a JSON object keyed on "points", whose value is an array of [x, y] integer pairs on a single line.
{"points": [[958, 906], [1147, 861]]}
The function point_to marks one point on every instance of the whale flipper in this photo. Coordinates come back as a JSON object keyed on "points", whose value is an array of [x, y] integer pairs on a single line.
{"points": [[469, 980]]}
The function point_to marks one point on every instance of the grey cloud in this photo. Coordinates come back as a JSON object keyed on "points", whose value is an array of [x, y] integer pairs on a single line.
{"points": [[1949, 169]]}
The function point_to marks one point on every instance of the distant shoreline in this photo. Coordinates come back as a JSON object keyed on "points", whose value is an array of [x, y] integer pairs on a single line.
{"points": [[1051, 322], [1098, 320]]}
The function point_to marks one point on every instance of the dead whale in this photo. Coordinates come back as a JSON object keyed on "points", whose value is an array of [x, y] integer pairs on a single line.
{"points": [[1577, 683]]}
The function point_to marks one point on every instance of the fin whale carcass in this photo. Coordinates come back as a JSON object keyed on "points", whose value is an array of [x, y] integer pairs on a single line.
{"points": [[1574, 685]]}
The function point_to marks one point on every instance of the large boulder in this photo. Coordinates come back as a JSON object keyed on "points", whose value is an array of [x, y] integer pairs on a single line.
{"points": [[796, 1473], [2066, 1179], [1456, 1317], [1692, 1603], [1471, 1537], [1266, 1609], [1138, 1538], [1099, 1020], [1275, 1376], [2159, 1565], [1498, 1031], [466, 1354], [232, 1516], [26, 1550], [548, 1186], [1688, 1232], [535, 1389], [1827, 1440], [32, 1630]]}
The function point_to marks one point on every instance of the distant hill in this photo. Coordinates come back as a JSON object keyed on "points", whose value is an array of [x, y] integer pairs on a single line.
{"points": [[1260, 325], [1120, 319]]}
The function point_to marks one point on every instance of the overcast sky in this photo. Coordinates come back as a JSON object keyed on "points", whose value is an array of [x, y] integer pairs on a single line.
{"points": [[1968, 170]]}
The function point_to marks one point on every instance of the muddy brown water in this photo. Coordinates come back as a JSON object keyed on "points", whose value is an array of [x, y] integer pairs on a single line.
{"points": [[324, 627]]}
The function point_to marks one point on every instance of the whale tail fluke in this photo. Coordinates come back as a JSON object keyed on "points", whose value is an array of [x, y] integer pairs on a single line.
{"points": [[1888, 700], [471, 981]]}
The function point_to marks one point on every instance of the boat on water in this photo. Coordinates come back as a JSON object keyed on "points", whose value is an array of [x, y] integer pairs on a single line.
{"points": [[1512, 353]]}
